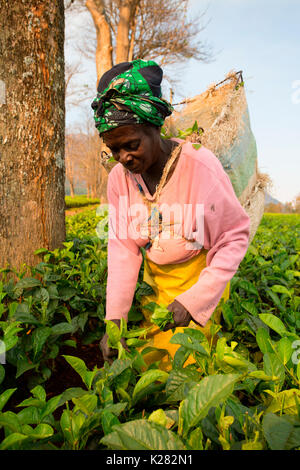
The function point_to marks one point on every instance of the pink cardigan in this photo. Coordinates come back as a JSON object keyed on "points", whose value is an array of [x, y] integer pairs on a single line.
{"points": [[205, 208]]}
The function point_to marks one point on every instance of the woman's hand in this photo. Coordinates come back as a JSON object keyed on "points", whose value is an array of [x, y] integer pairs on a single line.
{"points": [[181, 316], [107, 352]]}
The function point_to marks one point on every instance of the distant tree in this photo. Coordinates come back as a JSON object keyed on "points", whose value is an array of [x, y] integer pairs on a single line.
{"points": [[76, 94], [297, 204], [288, 208], [272, 207], [83, 161], [143, 29], [72, 157], [32, 124]]}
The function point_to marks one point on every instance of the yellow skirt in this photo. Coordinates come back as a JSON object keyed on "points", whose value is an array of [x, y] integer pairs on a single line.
{"points": [[168, 281]]}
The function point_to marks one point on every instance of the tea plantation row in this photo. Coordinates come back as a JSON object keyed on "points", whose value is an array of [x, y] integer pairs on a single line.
{"points": [[242, 392]]}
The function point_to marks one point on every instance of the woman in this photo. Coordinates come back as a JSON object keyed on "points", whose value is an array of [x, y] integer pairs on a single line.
{"points": [[170, 197]]}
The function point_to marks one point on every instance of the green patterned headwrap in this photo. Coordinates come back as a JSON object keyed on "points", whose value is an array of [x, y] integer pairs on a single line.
{"points": [[130, 93]]}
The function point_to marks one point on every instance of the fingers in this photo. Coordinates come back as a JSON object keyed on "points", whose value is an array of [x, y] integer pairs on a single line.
{"points": [[182, 323], [124, 344], [171, 307], [169, 326], [109, 353], [181, 318]]}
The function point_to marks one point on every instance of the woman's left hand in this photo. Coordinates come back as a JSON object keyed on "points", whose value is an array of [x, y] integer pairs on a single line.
{"points": [[181, 316]]}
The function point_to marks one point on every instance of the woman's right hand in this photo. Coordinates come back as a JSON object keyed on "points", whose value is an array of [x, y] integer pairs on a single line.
{"points": [[107, 352]]}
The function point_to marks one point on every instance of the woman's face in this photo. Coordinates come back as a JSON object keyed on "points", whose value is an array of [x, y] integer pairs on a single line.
{"points": [[133, 146]]}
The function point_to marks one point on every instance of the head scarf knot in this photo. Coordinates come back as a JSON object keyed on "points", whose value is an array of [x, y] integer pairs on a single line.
{"points": [[130, 93]]}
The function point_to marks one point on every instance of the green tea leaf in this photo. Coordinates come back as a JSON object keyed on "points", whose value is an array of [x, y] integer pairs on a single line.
{"points": [[66, 425], [39, 392], [284, 349], [10, 441], [78, 365], [195, 127], [189, 343], [39, 338], [221, 347], [248, 287], [148, 378], [264, 341], [143, 435], [116, 408], [117, 368], [274, 323], [178, 383], [253, 250], [137, 332], [51, 406], [273, 367], [73, 392], [252, 445], [123, 328], [234, 361], [27, 282], [79, 321], [32, 402], [5, 396], [281, 290], [42, 431], [285, 402], [62, 328], [30, 415], [180, 357], [23, 365], [122, 380], [227, 315], [108, 420], [250, 307], [24, 317], [195, 441], [11, 421], [86, 403], [259, 374], [280, 432], [211, 391], [114, 333], [159, 417], [113, 441]]}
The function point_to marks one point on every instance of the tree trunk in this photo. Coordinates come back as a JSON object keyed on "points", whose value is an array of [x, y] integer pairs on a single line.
{"points": [[104, 45], [122, 39], [103, 186], [32, 120], [72, 190], [133, 30]]}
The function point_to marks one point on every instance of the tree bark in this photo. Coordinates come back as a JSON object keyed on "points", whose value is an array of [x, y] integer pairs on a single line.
{"points": [[122, 39], [133, 30], [72, 191], [127, 23], [104, 48], [32, 126]]}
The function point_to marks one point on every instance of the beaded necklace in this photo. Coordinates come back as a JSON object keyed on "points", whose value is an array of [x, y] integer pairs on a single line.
{"points": [[154, 221]]}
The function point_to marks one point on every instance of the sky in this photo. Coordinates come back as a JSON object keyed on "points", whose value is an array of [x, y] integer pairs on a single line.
{"points": [[261, 38]]}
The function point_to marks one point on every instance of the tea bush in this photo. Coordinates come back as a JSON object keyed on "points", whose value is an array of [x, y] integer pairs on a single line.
{"points": [[242, 392]]}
